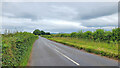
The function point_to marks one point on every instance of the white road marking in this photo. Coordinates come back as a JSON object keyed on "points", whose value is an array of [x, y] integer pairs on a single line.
{"points": [[68, 58], [57, 48], [65, 55]]}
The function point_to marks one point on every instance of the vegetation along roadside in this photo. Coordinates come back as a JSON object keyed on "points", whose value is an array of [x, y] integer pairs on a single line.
{"points": [[104, 43], [16, 48]]}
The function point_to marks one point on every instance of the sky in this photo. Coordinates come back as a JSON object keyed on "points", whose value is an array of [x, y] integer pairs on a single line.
{"points": [[59, 17]]}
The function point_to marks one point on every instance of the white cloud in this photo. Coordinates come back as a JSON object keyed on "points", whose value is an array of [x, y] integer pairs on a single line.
{"points": [[60, 0], [59, 17], [111, 20], [46, 25], [66, 11]]}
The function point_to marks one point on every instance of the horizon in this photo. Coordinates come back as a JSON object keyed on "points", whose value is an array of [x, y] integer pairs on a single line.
{"points": [[9, 31]]}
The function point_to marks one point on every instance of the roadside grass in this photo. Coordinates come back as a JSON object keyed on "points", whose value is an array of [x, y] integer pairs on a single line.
{"points": [[101, 48], [16, 48]]}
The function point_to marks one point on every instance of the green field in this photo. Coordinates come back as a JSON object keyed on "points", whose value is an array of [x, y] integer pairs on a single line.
{"points": [[16, 48], [101, 48]]}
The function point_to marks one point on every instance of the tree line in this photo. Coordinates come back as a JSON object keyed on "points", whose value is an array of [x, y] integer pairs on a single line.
{"points": [[38, 32], [98, 35]]}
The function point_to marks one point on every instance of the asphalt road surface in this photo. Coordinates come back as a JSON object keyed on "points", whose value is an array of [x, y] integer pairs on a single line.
{"points": [[49, 53]]}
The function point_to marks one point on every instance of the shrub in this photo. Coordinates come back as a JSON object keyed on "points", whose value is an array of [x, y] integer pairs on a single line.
{"points": [[16, 48]]}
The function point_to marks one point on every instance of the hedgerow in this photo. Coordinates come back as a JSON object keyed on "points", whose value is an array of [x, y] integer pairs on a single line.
{"points": [[16, 48], [105, 43], [98, 35]]}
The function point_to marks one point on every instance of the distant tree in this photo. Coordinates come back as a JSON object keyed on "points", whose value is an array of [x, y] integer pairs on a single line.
{"points": [[37, 32], [88, 34], [42, 32], [74, 34], [80, 34], [47, 33], [118, 34], [115, 34], [98, 34], [107, 36], [64, 35]]}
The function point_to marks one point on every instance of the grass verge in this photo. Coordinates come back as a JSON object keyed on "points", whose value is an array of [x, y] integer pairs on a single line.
{"points": [[101, 48]]}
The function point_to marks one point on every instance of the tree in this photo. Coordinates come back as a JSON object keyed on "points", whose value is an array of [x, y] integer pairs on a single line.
{"points": [[98, 34], [115, 34], [80, 34], [42, 32], [37, 32], [88, 34], [74, 34], [107, 36], [47, 33]]}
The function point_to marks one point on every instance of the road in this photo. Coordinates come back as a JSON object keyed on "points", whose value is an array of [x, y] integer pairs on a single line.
{"points": [[49, 53]]}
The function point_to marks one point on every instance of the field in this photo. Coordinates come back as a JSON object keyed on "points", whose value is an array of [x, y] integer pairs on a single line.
{"points": [[16, 48]]}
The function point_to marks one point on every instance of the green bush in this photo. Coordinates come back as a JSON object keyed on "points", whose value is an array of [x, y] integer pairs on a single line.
{"points": [[16, 48], [99, 35]]}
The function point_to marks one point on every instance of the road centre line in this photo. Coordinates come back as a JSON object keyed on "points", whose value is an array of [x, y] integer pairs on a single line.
{"points": [[68, 58], [65, 55]]}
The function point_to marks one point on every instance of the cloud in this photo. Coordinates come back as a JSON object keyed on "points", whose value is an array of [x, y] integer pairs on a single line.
{"points": [[67, 11], [94, 10], [60, 1], [59, 17], [50, 25], [111, 20]]}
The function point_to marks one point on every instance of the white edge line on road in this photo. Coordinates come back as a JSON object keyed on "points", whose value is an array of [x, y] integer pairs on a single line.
{"points": [[68, 58]]}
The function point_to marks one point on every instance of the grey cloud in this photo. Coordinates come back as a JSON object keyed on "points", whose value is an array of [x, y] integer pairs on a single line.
{"points": [[23, 15], [28, 16], [111, 20], [80, 12], [67, 11], [98, 14], [95, 10]]}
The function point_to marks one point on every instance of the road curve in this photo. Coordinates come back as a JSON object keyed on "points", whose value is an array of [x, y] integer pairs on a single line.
{"points": [[49, 53]]}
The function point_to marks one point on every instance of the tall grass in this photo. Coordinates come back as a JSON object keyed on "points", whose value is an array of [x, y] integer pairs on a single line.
{"points": [[102, 48]]}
